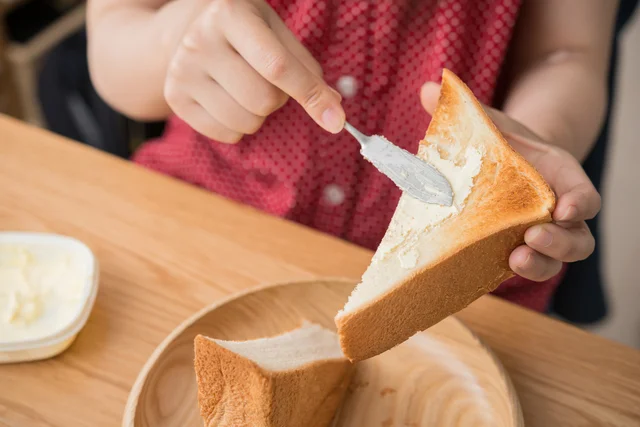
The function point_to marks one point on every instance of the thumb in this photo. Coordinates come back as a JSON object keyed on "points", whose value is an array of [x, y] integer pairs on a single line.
{"points": [[429, 94]]}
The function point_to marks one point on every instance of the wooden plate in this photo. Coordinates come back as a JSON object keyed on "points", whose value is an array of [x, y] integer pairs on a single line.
{"points": [[443, 377]]}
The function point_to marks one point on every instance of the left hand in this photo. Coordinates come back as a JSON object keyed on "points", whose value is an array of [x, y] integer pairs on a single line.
{"points": [[567, 238]]}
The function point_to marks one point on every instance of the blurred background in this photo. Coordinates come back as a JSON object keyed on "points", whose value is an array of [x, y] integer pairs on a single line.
{"points": [[44, 80], [621, 233], [45, 77]]}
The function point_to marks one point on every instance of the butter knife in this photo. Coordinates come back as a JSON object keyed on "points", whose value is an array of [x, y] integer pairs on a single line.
{"points": [[412, 175]]}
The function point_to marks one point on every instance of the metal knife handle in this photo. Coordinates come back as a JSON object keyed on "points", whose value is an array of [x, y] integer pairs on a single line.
{"points": [[362, 138]]}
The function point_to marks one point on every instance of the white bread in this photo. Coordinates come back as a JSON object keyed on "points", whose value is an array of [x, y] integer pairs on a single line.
{"points": [[297, 379], [435, 260]]}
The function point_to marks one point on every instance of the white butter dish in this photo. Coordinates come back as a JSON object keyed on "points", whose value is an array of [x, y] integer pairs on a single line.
{"points": [[48, 285]]}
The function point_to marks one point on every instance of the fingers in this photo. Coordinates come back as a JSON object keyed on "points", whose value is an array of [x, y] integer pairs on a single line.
{"points": [[239, 63], [578, 200], [224, 111], [222, 107], [577, 203], [243, 83], [202, 122], [293, 44], [200, 102], [527, 263], [564, 244], [257, 43]]}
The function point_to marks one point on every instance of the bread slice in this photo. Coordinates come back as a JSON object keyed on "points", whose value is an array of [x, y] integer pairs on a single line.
{"points": [[297, 379], [435, 260]]}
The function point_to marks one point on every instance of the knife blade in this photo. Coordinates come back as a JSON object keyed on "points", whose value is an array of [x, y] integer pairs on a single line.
{"points": [[412, 175]]}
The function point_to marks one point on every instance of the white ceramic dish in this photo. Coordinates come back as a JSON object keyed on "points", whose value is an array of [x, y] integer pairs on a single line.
{"points": [[60, 338]]}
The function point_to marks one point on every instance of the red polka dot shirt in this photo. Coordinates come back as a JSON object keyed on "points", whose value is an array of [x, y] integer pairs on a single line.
{"points": [[377, 54]]}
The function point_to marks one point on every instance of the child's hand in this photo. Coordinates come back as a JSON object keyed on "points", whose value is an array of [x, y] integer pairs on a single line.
{"points": [[238, 63], [568, 238]]}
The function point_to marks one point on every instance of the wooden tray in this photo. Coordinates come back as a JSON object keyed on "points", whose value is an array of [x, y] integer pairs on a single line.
{"points": [[443, 377]]}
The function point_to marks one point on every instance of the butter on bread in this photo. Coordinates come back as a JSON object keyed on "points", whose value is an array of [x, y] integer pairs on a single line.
{"points": [[434, 260], [295, 379]]}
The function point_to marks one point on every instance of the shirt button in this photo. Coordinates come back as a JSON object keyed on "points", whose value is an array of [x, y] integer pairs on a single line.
{"points": [[333, 195], [347, 86]]}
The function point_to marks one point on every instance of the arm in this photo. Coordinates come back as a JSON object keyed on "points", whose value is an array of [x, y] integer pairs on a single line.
{"points": [[130, 45], [557, 70]]}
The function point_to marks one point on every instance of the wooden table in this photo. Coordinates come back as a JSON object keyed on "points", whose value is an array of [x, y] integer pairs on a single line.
{"points": [[167, 249]]}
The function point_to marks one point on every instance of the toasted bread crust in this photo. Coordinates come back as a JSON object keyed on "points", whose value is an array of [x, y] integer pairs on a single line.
{"points": [[429, 296], [236, 392], [508, 197]]}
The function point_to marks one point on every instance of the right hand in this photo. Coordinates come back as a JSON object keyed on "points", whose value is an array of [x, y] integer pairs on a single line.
{"points": [[567, 238], [238, 63]]}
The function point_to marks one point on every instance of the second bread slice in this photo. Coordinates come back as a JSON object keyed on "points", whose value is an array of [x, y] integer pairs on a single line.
{"points": [[297, 379]]}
